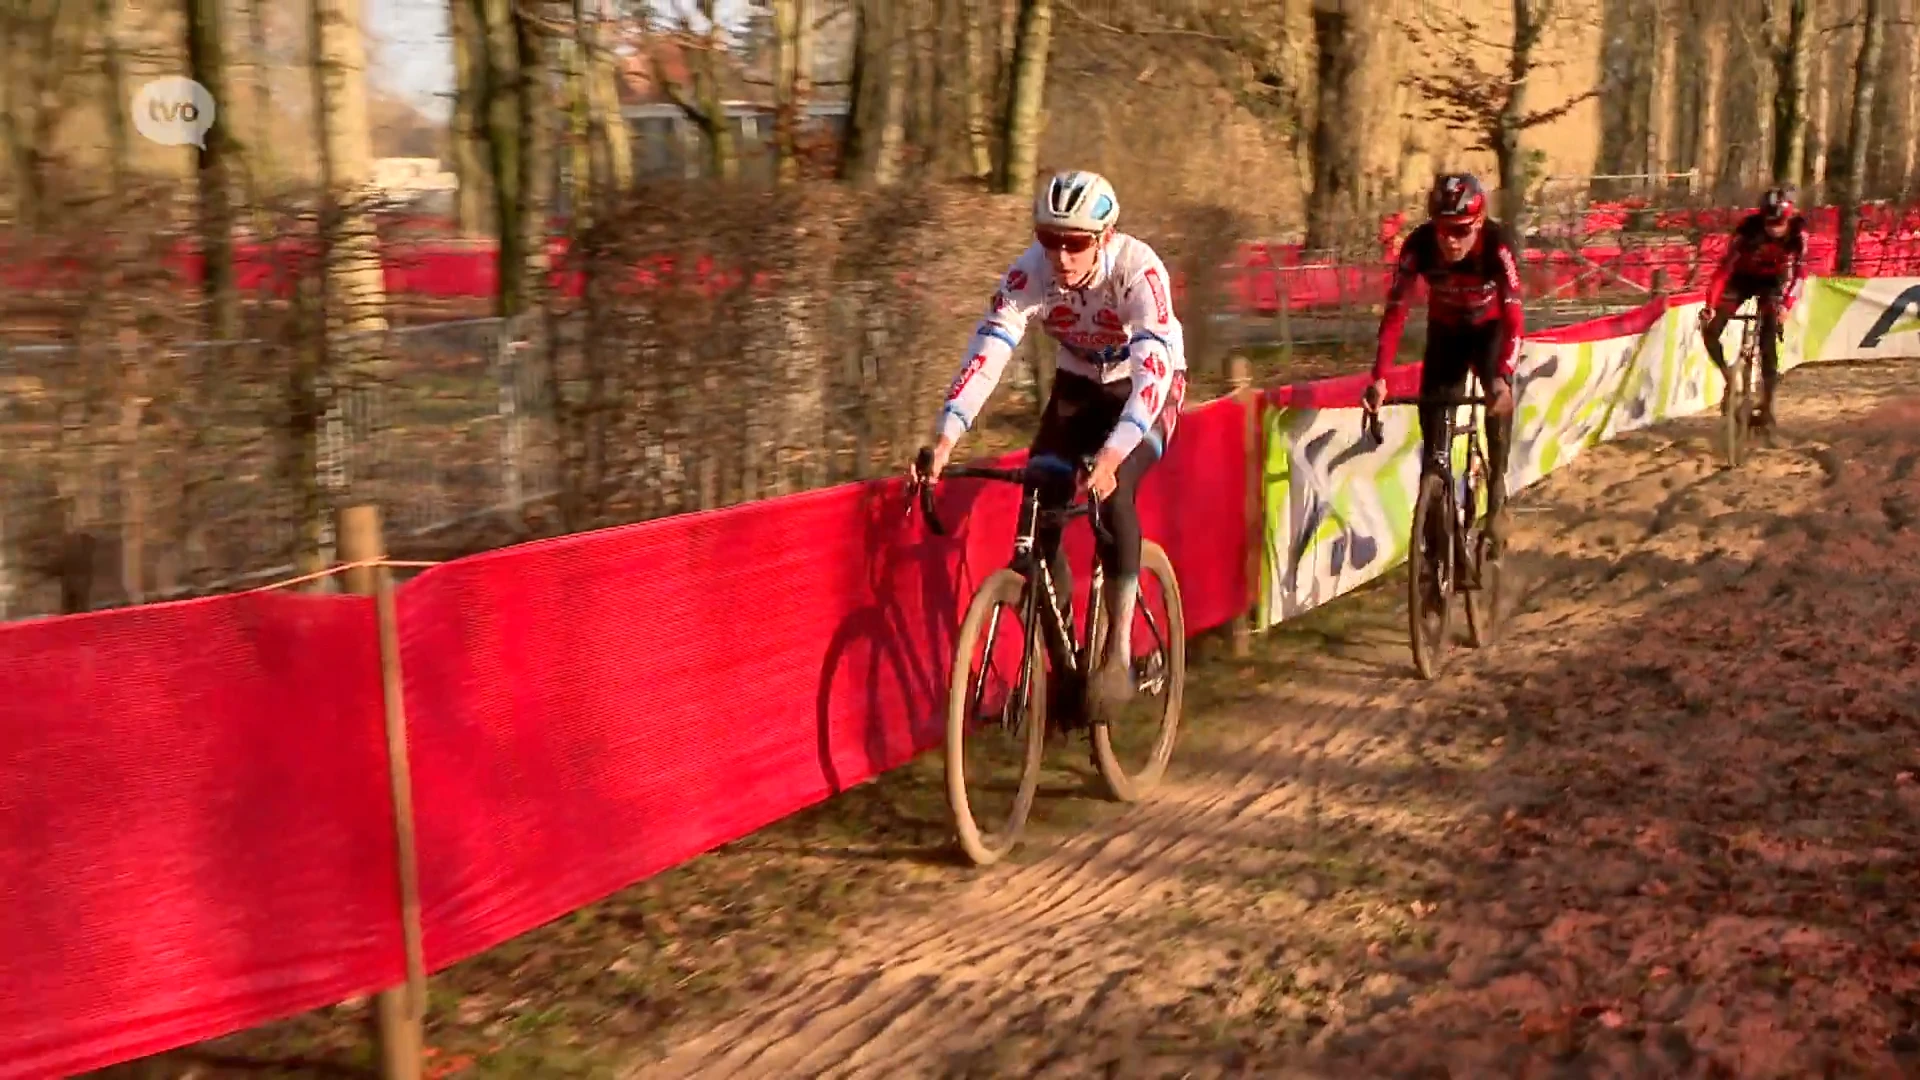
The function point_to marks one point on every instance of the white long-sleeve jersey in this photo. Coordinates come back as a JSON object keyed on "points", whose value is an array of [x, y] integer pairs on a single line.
{"points": [[1119, 326]]}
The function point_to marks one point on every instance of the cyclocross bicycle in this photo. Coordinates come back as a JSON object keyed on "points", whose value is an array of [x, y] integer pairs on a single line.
{"points": [[1448, 553], [1736, 406], [998, 700]]}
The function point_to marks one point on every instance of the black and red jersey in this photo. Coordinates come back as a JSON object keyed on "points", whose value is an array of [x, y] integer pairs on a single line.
{"points": [[1756, 256], [1481, 288]]}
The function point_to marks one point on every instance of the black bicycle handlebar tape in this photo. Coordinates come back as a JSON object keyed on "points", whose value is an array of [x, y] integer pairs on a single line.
{"points": [[924, 491]]}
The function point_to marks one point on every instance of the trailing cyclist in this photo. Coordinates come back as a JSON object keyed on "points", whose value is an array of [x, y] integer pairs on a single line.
{"points": [[1475, 320], [1766, 261], [1118, 387]]}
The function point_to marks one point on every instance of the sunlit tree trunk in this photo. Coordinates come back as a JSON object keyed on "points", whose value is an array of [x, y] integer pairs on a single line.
{"points": [[1866, 76], [1792, 65], [1338, 39], [1027, 97], [979, 145], [472, 212], [206, 59]]}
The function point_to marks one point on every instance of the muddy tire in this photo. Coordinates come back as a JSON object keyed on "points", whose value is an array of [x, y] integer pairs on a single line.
{"points": [[991, 798], [1133, 759], [1430, 560]]}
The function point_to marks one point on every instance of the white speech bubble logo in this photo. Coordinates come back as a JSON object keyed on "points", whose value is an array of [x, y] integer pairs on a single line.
{"points": [[174, 111]]}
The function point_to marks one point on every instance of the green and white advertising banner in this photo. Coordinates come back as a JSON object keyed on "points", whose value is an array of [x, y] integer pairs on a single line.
{"points": [[1338, 509]]}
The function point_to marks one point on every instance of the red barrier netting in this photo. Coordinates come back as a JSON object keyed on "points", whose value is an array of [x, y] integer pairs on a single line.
{"points": [[1264, 277], [195, 834], [589, 710]]}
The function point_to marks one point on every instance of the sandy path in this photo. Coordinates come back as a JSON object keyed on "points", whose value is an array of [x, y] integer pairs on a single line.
{"points": [[1520, 869]]}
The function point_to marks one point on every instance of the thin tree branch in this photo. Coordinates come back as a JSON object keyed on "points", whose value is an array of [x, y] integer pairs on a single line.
{"points": [[1159, 31]]}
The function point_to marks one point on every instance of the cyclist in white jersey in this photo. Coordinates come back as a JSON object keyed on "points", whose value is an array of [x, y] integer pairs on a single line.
{"points": [[1119, 384]]}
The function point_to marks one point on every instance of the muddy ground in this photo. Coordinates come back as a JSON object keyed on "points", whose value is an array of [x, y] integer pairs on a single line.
{"points": [[1668, 826]]}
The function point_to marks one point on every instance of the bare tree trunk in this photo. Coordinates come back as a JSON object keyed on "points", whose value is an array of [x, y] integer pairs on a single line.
{"points": [[356, 299], [120, 147], [855, 138], [788, 82], [1884, 148], [1866, 75], [207, 61], [1527, 31], [935, 52], [514, 94], [1746, 103], [1661, 134], [261, 158], [471, 210], [583, 163], [1909, 81], [1027, 97], [537, 163], [1792, 64], [979, 145], [1817, 128], [1624, 56], [609, 128], [893, 113], [705, 106], [1709, 132], [1339, 45]]}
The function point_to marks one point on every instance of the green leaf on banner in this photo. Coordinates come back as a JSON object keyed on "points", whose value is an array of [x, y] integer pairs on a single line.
{"points": [[1828, 300]]}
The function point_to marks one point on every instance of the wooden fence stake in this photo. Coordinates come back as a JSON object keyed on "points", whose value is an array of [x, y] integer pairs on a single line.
{"points": [[399, 1012], [1256, 527]]}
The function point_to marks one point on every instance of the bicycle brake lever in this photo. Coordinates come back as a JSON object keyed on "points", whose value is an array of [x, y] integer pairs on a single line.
{"points": [[927, 511]]}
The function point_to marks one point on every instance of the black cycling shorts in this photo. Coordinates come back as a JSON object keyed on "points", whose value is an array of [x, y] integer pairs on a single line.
{"points": [[1453, 351], [1079, 417], [1744, 287]]}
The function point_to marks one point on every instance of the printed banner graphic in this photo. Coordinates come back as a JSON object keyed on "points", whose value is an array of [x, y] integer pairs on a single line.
{"points": [[1338, 509]]}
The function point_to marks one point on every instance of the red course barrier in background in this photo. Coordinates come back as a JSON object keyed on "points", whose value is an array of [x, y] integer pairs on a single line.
{"points": [[1264, 275]]}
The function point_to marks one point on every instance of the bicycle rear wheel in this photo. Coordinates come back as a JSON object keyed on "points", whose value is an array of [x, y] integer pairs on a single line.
{"points": [[996, 720], [1132, 750], [1430, 577]]}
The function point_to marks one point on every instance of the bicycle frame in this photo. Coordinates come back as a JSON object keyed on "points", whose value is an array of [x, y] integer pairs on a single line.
{"points": [[1074, 656], [1441, 460]]}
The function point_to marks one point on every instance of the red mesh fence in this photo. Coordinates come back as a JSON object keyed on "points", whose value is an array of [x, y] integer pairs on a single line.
{"points": [[588, 710], [195, 828], [197, 833], [1268, 275]]}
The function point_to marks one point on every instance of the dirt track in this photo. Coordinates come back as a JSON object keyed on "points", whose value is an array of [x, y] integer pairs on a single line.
{"points": [[1668, 827]]}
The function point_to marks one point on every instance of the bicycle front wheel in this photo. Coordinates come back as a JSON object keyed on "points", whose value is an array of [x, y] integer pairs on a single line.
{"points": [[996, 720], [1132, 749], [1739, 418], [1430, 577]]}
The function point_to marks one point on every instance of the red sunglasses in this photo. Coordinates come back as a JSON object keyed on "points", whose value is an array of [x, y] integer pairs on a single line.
{"points": [[1069, 242], [1456, 230]]}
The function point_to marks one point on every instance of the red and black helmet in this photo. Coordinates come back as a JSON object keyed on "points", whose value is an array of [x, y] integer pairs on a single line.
{"points": [[1456, 195], [1778, 203]]}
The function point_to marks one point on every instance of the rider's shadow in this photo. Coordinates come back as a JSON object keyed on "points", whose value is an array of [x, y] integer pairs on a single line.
{"points": [[883, 681]]}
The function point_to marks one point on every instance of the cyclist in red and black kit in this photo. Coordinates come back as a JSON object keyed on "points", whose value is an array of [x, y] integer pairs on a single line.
{"points": [[1765, 262], [1474, 320]]}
